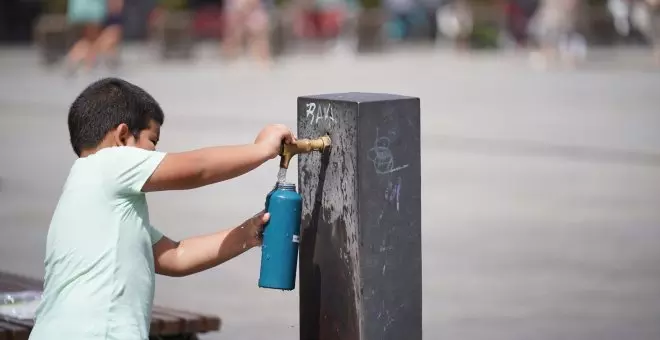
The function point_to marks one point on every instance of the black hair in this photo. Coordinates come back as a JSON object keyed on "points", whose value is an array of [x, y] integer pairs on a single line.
{"points": [[105, 104]]}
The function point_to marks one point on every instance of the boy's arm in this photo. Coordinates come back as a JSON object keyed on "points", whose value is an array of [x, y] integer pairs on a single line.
{"points": [[199, 253], [193, 169]]}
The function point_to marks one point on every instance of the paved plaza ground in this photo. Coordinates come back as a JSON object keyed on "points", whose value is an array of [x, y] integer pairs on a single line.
{"points": [[541, 190]]}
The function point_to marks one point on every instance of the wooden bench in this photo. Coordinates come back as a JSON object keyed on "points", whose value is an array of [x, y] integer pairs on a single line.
{"points": [[166, 323], [53, 37]]}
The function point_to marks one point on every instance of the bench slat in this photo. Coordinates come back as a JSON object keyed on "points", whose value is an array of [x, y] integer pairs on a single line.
{"points": [[154, 327], [169, 325], [213, 323], [210, 322], [14, 332], [19, 322], [193, 323], [20, 281]]}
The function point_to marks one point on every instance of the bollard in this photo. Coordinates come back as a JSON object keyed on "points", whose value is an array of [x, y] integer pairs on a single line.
{"points": [[360, 252]]}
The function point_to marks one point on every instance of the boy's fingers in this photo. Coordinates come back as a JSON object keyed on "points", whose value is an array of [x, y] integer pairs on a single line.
{"points": [[288, 137], [261, 221]]}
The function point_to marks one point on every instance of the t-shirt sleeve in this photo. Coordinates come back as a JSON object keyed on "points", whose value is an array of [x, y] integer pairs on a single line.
{"points": [[155, 234], [129, 168]]}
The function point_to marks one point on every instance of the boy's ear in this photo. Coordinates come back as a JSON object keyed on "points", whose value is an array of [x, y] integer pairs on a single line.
{"points": [[122, 134]]}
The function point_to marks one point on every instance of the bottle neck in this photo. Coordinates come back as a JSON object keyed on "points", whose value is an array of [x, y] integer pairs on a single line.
{"points": [[285, 186]]}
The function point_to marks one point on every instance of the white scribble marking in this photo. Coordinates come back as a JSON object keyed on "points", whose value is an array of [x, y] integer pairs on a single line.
{"points": [[392, 195], [398, 192], [322, 114], [311, 108], [382, 156], [327, 113], [319, 114]]}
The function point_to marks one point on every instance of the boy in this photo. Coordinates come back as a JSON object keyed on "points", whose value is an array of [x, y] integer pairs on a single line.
{"points": [[102, 252]]}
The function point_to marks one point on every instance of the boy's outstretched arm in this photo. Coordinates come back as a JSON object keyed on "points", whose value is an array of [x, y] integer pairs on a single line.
{"points": [[199, 253], [193, 169]]}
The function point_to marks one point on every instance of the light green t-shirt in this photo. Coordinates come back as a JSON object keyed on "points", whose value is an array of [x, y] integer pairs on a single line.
{"points": [[99, 281], [86, 11]]}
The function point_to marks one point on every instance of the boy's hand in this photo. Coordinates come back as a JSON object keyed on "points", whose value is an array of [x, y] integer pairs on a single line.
{"points": [[203, 252], [254, 228], [271, 138]]}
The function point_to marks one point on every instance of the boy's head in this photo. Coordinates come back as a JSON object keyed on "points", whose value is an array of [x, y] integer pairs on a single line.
{"points": [[114, 112]]}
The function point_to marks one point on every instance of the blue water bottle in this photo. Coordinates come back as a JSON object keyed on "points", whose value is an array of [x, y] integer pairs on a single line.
{"points": [[279, 251]]}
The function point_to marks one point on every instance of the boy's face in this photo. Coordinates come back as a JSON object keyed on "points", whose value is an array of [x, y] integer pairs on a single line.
{"points": [[147, 139]]}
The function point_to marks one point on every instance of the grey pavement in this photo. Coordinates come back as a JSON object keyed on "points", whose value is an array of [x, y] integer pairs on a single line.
{"points": [[541, 190]]}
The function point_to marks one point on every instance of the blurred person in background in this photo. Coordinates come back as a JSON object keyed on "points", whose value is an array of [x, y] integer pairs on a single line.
{"points": [[654, 27], [518, 14], [555, 28], [108, 41], [455, 20], [247, 21], [645, 17], [87, 17], [319, 19], [401, 13], [620, 11]]}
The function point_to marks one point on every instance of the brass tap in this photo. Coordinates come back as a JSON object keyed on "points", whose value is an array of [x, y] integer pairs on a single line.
{"points": [[302, 146]]}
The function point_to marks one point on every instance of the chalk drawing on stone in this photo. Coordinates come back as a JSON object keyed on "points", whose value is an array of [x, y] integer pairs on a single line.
{"points": [[311, 108], [319, 115], [397, 190], [382, 156], [392, 193], [325, 114]]}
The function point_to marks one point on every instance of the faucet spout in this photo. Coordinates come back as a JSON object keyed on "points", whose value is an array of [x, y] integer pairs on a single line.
{"points": [[302, 146]]}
